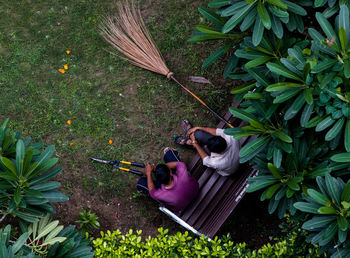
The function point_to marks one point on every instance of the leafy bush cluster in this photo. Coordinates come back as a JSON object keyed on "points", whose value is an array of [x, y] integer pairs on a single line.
{"points": [[26, 193], [294, 65], [114, 244]]}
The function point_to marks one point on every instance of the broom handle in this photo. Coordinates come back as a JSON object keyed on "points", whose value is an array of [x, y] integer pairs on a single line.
{"points": [[202, 102]]}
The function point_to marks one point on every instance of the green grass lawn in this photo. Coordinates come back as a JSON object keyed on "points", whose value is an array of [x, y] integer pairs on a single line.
{"points": [[104, 97]]}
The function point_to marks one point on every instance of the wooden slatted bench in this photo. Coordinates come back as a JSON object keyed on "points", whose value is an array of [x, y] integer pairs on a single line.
{"points": [[217, 197]]}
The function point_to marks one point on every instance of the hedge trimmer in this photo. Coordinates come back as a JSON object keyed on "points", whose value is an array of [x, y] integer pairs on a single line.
{"points": [[116, 164]]}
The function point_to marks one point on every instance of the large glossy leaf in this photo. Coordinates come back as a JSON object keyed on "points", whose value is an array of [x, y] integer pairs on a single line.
{"points": [[333, 189], [46, 176], [307, 207], [9, 164], [216, 54], [25, 216], [20, 242], [325, 25], [294, 8], [345, 196], [233, 9], [237, 18], [264, 15], [318, 222], [261, 182], [324, 65], [258, 31], [45, 155], [327, 210], [278, 3], [317, 196], [55, 196], [274, 170], [343, 223], [218, 3], [46, 186], [347, 68], [261, 78], [341, 157], [281, 70], [344, 20], [283, 136], [253, 145], [19, 156], [242, 114], [272, 190], [211, 16], [335, 130], [286, 95], [325, 123], [258, 61], [295, 107], [46, 165], [277, 27], [282, 86], [248, 20]]}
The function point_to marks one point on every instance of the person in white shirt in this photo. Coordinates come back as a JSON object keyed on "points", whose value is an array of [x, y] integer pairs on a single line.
{"points": [[223, 149]]}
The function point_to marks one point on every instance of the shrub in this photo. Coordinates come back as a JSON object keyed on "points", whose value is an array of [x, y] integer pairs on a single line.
{"points": [[45, 239], [114, 244], [87, 221], [25, 191]]}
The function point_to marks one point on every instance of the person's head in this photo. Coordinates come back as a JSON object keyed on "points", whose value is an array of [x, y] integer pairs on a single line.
{"points": [[162, 174], [217, 144]]}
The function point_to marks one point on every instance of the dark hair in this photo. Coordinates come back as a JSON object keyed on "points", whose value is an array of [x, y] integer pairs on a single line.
{"points": [[217, 144], [162, 174]]}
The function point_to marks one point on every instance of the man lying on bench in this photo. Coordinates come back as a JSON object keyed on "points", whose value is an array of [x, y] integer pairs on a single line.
{"points": [[174, 187], [223, 149]]}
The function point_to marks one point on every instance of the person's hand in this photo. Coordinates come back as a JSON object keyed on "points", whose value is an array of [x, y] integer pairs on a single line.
{"points": [[149, 168], [191, 131], [192, 138]]}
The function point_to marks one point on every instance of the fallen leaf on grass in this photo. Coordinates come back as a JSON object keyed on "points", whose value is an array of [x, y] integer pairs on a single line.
{"points": [[199, 79]]}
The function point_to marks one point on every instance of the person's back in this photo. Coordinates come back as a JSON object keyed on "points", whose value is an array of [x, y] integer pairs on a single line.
{"points": [[181, 193], [225, 162]]}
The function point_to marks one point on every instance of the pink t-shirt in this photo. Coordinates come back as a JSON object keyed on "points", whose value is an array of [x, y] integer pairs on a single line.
{"points": [[183, 191]]}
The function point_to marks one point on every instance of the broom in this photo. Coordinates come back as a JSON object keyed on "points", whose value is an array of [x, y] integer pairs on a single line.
{"points": [[128, 34]]}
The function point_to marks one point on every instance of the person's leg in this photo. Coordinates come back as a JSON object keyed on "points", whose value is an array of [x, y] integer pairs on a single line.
{"points": [[202, 137], [171, 155], [142, 186]]}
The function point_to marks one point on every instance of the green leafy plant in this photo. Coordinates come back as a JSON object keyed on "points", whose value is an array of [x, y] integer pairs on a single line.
{"points": [[24, 173], [114, 244], [331, 204], [9, 248], [294, 172], [43, 234], [259, 15], [87, 221], [75, 245]]}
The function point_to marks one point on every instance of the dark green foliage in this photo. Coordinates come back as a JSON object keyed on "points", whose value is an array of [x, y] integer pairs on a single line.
{"points": [[25, 191], [295, 98]]}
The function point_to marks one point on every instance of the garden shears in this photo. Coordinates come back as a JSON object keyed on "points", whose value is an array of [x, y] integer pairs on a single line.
{"points": [[116, 164]]}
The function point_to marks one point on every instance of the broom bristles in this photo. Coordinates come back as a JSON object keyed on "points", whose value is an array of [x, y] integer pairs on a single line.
{"points": [[128, 34]]}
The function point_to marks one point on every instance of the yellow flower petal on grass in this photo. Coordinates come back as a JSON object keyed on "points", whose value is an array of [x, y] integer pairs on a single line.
{"points": [[68, 52], [69, 122], [65, 67], [110, 141], [71, 144], [61, 70]]}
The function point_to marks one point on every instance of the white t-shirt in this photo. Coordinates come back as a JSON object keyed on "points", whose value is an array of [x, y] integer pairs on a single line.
{"points": [[225, 163]]}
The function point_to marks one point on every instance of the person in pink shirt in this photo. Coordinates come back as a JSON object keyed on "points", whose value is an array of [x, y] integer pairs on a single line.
{"points": [[173, 186]]}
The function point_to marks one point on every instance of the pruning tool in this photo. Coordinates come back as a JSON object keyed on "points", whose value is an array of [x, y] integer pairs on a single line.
{"points": [[116, 164]]}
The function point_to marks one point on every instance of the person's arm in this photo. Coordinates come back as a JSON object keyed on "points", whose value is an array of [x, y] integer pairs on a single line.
{"points": [[149, 168], [209, 130], [198, 148]]}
